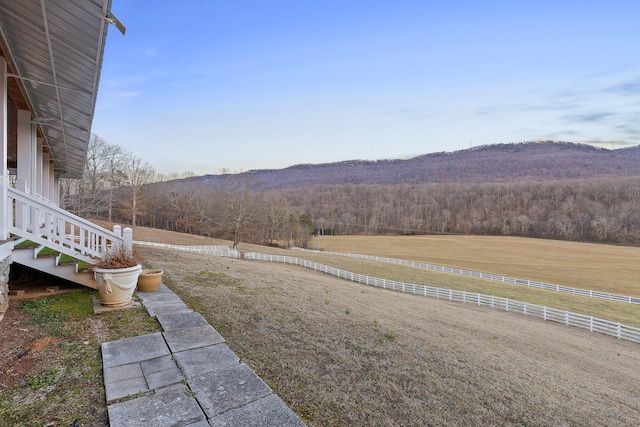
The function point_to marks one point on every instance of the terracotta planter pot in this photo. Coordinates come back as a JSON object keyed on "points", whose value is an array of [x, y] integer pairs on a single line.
{"points": [[149, 280], [116, 285]]}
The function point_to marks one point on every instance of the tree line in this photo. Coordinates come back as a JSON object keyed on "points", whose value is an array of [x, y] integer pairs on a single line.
{"points": [[118, 186], [596, 210]]}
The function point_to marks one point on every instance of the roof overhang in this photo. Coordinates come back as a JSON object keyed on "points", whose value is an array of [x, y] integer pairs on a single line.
{"points": [[54, 51]]}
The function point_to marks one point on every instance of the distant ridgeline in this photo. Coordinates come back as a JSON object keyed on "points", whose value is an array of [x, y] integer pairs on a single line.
{"points": [[546, 189], [538, 161]]}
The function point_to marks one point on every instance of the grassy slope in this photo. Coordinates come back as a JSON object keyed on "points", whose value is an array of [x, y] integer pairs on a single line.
{"points": [[604, 309], [514, 257], [346, 354]]}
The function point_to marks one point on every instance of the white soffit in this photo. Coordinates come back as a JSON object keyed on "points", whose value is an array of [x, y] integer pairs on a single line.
{"points": [[55, 48]]}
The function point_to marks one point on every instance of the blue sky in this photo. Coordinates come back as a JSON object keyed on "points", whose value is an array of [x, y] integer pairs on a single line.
{"points": [[205, 85]]}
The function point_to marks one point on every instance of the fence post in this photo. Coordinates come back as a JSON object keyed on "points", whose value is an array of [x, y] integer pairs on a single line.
{"points": [[115, 245], [128, 241], [506, 304], [619, 331]]}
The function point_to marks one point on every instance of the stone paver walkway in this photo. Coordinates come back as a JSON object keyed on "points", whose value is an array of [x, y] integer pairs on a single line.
{"points": [[184, 376]]}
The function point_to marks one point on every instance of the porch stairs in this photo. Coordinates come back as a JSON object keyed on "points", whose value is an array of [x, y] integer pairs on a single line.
{"points": [[47, 226], [50, 264]]}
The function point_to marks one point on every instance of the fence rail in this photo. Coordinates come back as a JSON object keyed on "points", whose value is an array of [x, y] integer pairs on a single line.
{"points": [[524, 282], [219, 250], [568, 318]]}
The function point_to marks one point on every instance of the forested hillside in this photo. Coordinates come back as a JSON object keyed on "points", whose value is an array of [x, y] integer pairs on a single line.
{"points": [[600, 210], [550, 190], [538, 161]]}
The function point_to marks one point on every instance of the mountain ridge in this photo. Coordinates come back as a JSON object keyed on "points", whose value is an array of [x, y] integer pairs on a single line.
{"points": [[535, 161]]}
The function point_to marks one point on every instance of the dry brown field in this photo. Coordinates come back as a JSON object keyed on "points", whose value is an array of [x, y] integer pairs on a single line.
{"points": [[606, 268], [345, 354]]}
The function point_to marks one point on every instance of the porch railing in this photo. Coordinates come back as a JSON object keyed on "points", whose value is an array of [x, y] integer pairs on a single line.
{"points": [[43, 223]]}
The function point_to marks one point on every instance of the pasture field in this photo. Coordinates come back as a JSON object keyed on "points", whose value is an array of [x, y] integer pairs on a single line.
{"points": [[605, 268], [604, 309], [519, 251], [344, 354]]}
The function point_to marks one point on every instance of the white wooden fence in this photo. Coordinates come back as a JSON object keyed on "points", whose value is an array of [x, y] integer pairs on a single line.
{"points": [[530, 283], [593, 324], [221, 250]]}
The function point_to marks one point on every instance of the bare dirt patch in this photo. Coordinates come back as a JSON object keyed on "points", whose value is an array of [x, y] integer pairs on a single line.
{"points": [[17, 340], [41, 343], [340, 353], [51, 367]]}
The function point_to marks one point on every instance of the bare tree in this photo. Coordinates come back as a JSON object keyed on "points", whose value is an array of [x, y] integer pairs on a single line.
{"points": [[86, 197], [300, 229], [238, 194], [137, 173], [274, 218], [114, 162]]}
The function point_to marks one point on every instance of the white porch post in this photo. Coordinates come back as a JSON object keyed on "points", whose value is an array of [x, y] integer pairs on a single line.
{"points": [[45, 176], [56, 189], [23, 179], [38, 163], [5, 249], [25, 152], [52, 183], [44, 185], [4, 179], [33, 159]]}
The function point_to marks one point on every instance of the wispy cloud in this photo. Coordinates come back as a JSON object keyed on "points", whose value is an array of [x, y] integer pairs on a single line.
{"points": [[609, 144], [551, 106], [555, 103], [588, 117], [631, 127], [560, 134], [631, 87], [411, 113], [614, 70]]}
